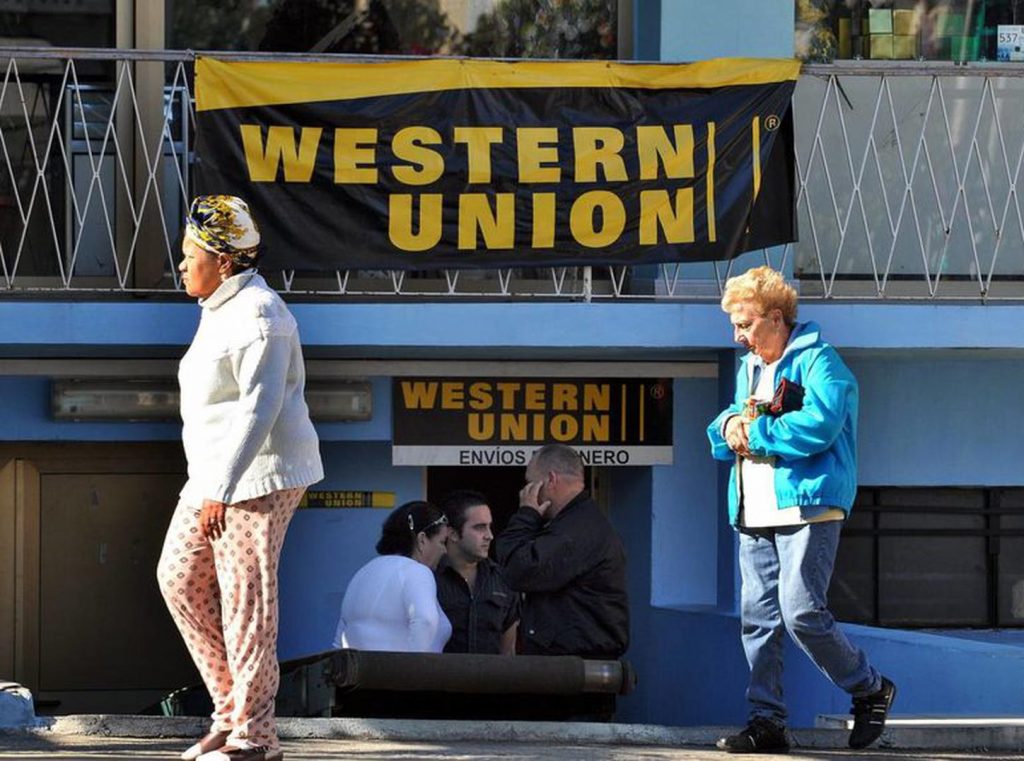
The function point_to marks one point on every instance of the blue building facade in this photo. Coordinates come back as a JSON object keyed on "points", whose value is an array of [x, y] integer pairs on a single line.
{"points": [[938, 378]]}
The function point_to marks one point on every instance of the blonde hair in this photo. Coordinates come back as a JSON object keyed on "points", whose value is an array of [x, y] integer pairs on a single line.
{"points": [[763, 287]]}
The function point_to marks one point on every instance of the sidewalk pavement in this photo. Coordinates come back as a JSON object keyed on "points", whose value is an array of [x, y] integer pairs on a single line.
{"points": [[143, 737], [38, 747]]}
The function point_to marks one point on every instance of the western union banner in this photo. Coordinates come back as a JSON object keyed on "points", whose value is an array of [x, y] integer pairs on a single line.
{"points": [[473, 163], [502, 421]]}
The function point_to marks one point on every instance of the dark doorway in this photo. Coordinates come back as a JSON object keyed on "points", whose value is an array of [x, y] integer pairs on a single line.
{"points": [[501, 485]]}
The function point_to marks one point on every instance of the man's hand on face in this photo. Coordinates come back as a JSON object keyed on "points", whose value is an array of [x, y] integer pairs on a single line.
{"points": [[737, 432], [529, 496]]}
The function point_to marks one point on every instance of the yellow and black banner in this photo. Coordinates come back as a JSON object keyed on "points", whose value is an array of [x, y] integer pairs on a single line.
{"points": [[448, 163], [502, 421]]}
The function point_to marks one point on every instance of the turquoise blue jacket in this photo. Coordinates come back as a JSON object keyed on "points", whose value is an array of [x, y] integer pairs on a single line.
{"points": [[816, 447]]}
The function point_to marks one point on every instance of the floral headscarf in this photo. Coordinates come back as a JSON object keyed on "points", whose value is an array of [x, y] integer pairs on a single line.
{"points": [[224, 225]]}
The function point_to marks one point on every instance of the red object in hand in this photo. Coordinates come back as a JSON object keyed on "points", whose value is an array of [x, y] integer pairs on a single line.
{"points": [[789, 396]]}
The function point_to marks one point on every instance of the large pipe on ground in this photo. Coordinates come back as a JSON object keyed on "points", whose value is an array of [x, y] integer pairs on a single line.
{"points": [[481, 674]]}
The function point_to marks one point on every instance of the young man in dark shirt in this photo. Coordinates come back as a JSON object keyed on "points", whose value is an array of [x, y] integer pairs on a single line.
{"points": [[482, 608]]}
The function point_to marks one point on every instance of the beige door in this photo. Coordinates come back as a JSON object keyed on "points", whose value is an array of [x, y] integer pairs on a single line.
{"points": [[90, 629]]}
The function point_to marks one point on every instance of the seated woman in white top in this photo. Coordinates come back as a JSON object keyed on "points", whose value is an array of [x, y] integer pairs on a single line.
{"points": [[391, 602]]}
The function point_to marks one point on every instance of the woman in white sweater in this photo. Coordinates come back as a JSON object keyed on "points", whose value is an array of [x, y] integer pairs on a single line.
{"points": [[251, 452], [391, 602]]}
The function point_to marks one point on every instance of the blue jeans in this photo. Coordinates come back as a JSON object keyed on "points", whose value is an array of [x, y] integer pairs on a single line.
{"points": [[785, 573]]}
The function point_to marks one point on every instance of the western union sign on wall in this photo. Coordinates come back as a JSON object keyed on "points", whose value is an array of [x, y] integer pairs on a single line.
{"points": [[477, 163], [502, 421]]}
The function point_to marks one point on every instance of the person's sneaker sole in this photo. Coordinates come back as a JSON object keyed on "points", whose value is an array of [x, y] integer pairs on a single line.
{"points": [[722, 745]]}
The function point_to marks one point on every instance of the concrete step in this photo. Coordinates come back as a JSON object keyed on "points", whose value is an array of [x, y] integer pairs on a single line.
{"points": [[1005, 733], [963, 737], [845, 721]]}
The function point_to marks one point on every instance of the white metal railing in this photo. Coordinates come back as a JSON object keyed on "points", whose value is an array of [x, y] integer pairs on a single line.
{"points": [[907, 188], [908, 180]]}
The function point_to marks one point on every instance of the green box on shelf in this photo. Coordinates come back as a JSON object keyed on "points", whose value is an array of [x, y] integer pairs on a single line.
{"points": [[950, 24], [880, 21], [963, 48]]}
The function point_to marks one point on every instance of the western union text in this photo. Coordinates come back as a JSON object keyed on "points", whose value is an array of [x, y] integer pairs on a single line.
{"points": [[416, 157], [517, 411]]}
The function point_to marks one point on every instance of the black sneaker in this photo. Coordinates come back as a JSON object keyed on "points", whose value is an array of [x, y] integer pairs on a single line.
{"points": [[870, 713], [759, 736]]}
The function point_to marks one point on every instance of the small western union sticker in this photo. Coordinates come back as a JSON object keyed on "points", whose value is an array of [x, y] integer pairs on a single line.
{"points": [[501, 421], [347, 498]]}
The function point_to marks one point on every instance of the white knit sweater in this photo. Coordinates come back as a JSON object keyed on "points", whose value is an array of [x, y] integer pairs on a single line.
{"points": [[246, 429], [391, 604]]}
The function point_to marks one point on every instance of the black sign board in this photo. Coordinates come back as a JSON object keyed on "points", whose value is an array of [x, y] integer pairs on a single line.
{"points": [[502, 421]]}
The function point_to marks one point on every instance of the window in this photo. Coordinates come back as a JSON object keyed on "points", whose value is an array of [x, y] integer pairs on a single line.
{"points": [[935, 30], [39, 85], [501, 28], [932, 558], [72, 23]]}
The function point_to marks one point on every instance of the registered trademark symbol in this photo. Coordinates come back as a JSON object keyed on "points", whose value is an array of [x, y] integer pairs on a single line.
{"points": [[771, 123]]}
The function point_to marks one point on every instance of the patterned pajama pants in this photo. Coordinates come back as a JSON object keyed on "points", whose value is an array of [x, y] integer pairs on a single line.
{"points": [[222, 594]]}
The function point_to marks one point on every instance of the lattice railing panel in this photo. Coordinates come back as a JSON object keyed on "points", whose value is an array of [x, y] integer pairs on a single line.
{"points": [[908, 183], [908, 178]]}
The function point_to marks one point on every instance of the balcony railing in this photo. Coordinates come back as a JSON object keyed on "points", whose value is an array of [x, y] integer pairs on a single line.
{"points": [[907, 173]]}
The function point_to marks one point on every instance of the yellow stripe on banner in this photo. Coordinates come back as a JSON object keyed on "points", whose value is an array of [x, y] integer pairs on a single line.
{"points": [[755, 132], [643, 393], [710, 204], [623, 426], [242, 84]]}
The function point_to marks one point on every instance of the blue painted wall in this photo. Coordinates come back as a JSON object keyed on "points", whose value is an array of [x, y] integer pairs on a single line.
{"points": [[695, 30], [693, 672], [686, 518], [25, 416], [325, 547], [629, 497], [944, 675], [936, 421], [604, 330], [647, 30]]}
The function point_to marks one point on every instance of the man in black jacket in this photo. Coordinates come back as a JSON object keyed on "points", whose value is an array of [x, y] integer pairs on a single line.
{"points": [[561, 551]]}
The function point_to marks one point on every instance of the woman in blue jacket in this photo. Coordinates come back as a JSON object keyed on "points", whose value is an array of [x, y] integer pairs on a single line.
{"points": [[791, 433]]}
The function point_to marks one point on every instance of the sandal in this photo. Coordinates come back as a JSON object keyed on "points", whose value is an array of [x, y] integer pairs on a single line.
{"points": [[253, 753], [212, 740]]}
